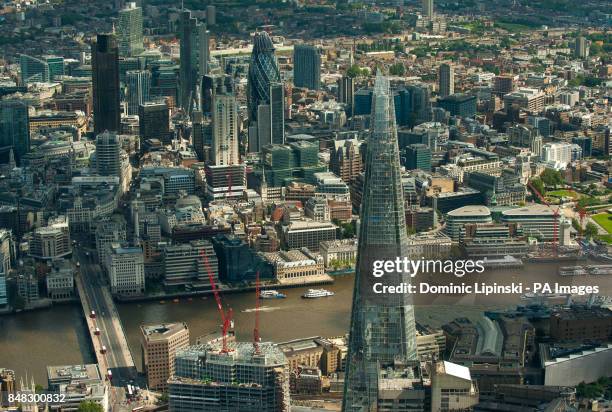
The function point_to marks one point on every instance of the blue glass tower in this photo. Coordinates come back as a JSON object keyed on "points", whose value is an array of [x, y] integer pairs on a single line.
{"points": [[382, 333]]}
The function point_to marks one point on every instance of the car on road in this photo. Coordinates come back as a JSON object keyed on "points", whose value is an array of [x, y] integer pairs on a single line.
{"points": [[97, 332], [92, 314], [103, 350]]}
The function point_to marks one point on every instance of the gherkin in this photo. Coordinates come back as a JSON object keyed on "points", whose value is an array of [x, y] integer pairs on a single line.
{"points": [[263, 72], [382, 330]]}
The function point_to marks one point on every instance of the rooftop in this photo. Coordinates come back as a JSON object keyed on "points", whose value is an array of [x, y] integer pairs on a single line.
{"points": [[470, 211], [162, 331]]}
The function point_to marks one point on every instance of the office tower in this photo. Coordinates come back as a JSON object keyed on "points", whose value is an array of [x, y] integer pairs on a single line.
{"points": [[225, 130], [52, 241], [129, 30], [241, 379], [585, 143], [125, 268], [263, 79], [428, 8], [503, 84], [105, 76], [418, 156], [581, 47], [211, 15], [14, 129], [382, 332], [346, 93], [45, 69], [345, 159], [213, 84], [194, 58], [446, 79], [420, 104], [108, 150], [154, 120], [306, 67], [159, 344], [138, 89], [277, 113]]}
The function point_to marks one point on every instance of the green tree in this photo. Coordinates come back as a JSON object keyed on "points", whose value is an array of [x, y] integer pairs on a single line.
{"points": [[89, 406], [163, 399], [538, 185], [552, 177], [354, 71], [397, 69], [590, 231]]}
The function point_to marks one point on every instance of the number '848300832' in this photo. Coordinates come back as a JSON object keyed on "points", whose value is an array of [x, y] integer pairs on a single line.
{"points": [[20, 397]]}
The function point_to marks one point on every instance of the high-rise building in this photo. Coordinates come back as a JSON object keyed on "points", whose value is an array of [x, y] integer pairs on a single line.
{"points": [[44, 69], [194, 52], [446, 79], [225, 130], [383, 331], [265, 95], [211, 15], [138, 89], [418, 156], [277, 113], [154, 120], [345, 159], [346, 93], [428, 8], [14, 129], [129, 30], [241, 379], [306, 66], [213, 84], [108, 154], [581, 47], [105, 75], [159, 345]]}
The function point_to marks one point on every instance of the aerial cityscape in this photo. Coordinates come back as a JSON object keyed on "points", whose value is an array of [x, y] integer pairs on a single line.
{"points": [[305, 205]]}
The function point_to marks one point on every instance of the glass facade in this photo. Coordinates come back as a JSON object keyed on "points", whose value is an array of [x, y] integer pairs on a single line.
{"points": [[382, 325]]}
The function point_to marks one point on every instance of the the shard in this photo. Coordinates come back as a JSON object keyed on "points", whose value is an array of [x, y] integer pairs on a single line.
{"points": [[382, 334]]}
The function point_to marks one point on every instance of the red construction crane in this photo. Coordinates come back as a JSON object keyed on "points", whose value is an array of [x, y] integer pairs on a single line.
{"points": [[226, 318], [256, 337], [555, 217]]}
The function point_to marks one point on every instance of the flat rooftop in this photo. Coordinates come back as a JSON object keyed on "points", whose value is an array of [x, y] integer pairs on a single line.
{"points": [[73, 373], [470, 211], [162, 331]]}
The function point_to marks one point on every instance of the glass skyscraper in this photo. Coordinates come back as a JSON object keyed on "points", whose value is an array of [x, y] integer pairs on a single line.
{"points": [[306, 66], [265, 95], [194, 57], [130, 30], [14, 129], [105, 76], [43, 69], [138, 89], [382, 333]]}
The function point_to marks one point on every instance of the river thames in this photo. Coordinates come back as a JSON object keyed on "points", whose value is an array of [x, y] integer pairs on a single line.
{"points": [[32, 340]]}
